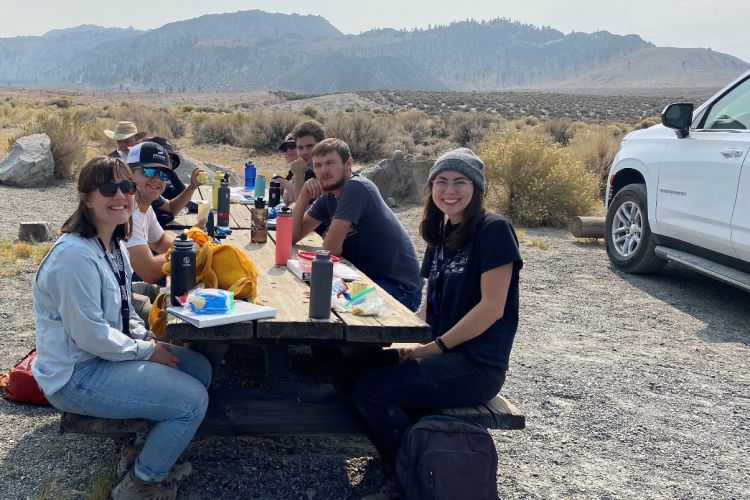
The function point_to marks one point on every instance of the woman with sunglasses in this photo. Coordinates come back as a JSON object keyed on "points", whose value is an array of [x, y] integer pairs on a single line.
{"points": [[95, 356], [472, 265]]}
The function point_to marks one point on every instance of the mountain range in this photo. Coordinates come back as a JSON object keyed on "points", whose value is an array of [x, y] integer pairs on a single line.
{"points": [[256, 50]]}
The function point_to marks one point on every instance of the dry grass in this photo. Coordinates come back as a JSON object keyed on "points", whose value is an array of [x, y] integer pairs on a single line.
{"points": [[539, 243], [16, 256]]}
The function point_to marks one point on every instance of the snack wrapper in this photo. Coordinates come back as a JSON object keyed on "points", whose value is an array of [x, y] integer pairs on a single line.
{"points": [[210, 301]]}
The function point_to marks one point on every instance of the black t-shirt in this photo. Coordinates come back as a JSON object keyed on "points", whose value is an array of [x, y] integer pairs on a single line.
{"points": [[454, 287]]}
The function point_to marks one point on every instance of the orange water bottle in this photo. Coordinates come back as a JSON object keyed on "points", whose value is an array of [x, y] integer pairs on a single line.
{"points": [[283, 236]]}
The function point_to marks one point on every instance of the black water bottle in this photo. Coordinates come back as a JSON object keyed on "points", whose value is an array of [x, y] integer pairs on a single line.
{"points": [[182, 262], [274, 194], [321, 280], [222, 215]]}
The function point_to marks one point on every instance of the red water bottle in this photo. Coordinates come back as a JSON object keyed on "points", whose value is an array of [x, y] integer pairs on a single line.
{"points": [[283, 236]]}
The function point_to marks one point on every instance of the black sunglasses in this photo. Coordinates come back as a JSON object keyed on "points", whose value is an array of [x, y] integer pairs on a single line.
{"points": [[109, 188]]}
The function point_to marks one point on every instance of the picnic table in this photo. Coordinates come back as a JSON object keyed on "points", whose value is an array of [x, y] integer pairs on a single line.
{"points": [[283, 405]]}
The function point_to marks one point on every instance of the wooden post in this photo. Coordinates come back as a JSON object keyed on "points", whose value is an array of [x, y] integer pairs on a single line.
{"points": [[587, 227]]}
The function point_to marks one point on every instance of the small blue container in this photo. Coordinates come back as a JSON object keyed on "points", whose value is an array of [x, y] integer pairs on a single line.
{"points": [[249, 176]]}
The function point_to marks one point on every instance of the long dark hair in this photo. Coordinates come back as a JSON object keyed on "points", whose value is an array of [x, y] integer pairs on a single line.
{"points": [[97, 170], [432, 227]]}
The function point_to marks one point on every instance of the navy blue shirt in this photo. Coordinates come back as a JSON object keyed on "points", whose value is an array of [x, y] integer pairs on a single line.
{"points": [[376, 243], [454, 287]]}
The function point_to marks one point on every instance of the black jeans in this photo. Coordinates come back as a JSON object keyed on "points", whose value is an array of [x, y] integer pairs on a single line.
{"points": [[386, 392]]}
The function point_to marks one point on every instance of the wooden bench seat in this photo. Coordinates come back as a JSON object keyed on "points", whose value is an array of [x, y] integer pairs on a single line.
{"points": [[254, 412]]}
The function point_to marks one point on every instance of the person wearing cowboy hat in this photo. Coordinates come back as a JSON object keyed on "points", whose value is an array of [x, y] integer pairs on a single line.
{"points": [[126, 135]]}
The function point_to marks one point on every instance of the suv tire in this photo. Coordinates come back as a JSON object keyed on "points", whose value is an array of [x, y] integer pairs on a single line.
{"points": [[627, 235]]}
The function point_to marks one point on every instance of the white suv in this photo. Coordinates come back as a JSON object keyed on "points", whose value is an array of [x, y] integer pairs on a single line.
{"points": [[680, 191]]}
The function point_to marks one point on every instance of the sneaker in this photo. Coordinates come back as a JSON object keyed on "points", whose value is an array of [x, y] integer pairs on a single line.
{"points": [[132, 488]]}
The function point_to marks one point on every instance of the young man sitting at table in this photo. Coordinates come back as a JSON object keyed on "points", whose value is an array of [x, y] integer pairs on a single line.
{"points": [[361, 224]]}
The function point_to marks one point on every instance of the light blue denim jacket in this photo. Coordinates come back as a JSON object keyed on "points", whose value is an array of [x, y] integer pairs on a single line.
{"points": [[78, 315]]}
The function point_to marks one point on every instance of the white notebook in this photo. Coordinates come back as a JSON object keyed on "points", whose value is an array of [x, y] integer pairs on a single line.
{"points": [[340, 270], [243, 311]]}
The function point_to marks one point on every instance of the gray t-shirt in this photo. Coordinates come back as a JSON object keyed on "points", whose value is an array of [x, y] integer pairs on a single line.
{"points": [[376, 243]]}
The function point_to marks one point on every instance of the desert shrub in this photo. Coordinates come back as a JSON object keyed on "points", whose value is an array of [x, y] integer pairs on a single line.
{"points": [[155, 121], [541, 182], [559, 129], [311, 112], [188, 108], [61, 102], [217, 128], [414, 123], [67, 132], [366, 135], [595, 148], [648, 122], [467, 128], [266, 129]]}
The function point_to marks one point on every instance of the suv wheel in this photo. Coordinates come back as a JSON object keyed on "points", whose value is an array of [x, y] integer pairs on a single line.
{"points": [[628, 238]]}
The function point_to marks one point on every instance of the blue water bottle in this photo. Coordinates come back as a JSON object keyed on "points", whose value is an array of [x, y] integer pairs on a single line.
{"points": [[249, 176]]}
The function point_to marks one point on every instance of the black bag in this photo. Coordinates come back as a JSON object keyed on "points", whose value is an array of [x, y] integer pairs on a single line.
{"points": [[443, 457]]}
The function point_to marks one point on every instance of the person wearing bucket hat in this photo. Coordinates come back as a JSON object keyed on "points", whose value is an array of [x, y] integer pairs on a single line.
{"points": [[148, 243], [472, 266], [176, 195], [126, 135]]}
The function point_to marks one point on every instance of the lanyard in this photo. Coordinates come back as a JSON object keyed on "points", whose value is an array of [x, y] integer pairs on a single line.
{"points": [[122, 281]]}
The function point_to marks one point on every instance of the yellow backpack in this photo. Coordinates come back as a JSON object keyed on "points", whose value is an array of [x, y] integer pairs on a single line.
{"points": [[216, 266]]}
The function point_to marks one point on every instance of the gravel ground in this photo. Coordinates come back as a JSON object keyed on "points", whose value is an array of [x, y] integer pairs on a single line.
{"points": [[632, 387]]}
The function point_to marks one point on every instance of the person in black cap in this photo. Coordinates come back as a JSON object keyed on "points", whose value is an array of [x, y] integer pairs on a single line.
{"points": [[289, 149], [176, 195], [149, 242]]}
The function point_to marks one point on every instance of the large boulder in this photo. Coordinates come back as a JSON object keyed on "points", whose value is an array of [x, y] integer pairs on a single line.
{"points": [[400, 178], [187, 164], [29, 162]]}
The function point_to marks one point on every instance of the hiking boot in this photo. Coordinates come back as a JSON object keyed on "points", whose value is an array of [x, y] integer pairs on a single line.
{"points": [[130, 452], [132, 488]]}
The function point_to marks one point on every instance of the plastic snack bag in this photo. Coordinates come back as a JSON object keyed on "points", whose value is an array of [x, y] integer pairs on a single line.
{"points": [[210, 301], [366, 303]]}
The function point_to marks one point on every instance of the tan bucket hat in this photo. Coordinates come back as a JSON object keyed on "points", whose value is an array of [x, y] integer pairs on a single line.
{"points": [[123, 130]]}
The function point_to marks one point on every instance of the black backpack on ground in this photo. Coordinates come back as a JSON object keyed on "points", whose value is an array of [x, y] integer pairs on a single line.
{"points": [[444, 457]]}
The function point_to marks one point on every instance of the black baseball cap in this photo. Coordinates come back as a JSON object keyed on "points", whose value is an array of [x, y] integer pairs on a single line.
{"points": [[289, 142], [148, 154], [174, 158]]}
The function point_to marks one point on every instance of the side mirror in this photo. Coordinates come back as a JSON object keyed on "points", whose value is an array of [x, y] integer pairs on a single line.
{"points": [[678, 116]]}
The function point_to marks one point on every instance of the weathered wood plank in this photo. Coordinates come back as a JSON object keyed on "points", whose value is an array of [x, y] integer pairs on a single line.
{"points": [[279, 288], [82, 424], [507, 415], [245, 412], [395, 324]]}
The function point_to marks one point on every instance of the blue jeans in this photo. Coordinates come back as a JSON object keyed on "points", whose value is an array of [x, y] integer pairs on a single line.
{"points": [[389, 395], [174, 401], [410, 300]]}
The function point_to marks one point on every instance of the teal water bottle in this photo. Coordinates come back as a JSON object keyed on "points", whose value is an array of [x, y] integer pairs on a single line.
{"points": [[260, 186]]}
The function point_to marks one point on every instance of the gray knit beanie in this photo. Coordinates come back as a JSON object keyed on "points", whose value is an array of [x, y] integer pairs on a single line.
{"points": [[461, 160]]}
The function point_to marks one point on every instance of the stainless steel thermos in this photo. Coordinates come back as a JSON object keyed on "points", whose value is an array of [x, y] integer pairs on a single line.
{"points": [[321, 280]]}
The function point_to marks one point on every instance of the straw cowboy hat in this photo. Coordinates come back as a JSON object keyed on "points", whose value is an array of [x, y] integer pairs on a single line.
{"points": [[123, 130]]}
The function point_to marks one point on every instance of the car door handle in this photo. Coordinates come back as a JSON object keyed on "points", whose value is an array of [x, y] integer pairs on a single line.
{"points": [[731, 153]]}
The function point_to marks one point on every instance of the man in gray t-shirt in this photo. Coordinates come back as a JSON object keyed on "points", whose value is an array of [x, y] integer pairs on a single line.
{"points": [[362, 228]]}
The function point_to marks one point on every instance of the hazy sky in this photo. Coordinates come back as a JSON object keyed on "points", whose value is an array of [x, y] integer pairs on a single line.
{"points": [[719, 24]]}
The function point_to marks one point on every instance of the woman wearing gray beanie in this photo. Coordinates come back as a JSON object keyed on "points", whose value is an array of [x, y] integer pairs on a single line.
{"points": [[472, 265]]}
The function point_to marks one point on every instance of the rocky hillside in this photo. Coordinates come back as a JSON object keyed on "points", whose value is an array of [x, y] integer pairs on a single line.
{"points": [[256, 50]]}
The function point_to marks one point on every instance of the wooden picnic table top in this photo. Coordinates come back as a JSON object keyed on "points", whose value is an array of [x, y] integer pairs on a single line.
{"points": [[279, 288]]}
